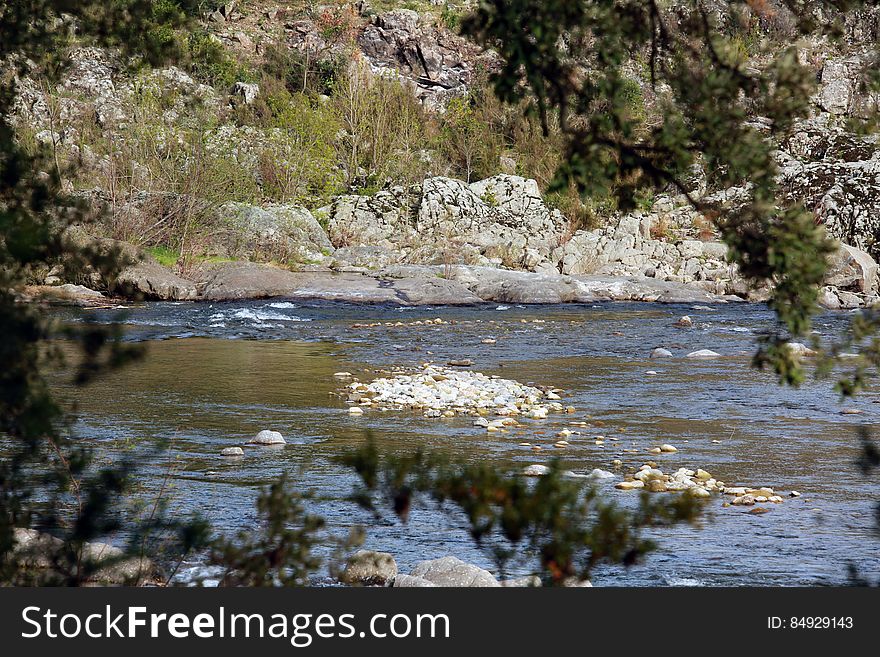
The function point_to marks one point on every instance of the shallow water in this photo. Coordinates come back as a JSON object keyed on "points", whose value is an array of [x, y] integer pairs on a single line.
{"points": [[218, 373]]}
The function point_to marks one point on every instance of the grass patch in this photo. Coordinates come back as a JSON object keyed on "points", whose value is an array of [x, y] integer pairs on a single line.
{"points": [[164, 255]]}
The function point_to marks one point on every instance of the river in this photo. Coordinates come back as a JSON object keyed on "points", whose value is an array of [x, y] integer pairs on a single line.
{"points": [[216, 374]]}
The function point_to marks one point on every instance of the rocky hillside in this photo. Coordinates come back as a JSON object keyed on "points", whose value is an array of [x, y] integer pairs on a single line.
{"points": [[357, 138]]}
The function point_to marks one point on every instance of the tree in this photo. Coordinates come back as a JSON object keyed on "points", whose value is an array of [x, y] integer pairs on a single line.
{"points": [[573, 63], [556, 521], [47, 478]]}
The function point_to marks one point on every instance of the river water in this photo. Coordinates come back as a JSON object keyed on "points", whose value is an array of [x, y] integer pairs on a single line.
{"points": [[218, 373]]}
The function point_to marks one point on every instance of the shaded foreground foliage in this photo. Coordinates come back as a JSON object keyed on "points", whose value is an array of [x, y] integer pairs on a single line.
{"points": [[512, 518]]}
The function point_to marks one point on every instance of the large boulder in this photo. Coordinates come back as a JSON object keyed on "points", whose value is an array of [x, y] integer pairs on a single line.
{"points": [[521, 198], [244, 280], [504, 217], [841, 90], [65, 295], [434, 61], [285, 233], [845, 196], [368, 568], [385, 220], [102, 563], [501, 220], [850, 268], [153, 281], [453, 572]]}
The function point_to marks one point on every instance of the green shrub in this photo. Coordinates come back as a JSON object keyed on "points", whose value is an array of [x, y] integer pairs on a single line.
{"points": [[384, 131], [210, 63]]}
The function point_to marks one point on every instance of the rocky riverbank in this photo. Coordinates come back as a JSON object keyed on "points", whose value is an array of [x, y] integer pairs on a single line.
{"points": [[428, 238], [450, 243]]}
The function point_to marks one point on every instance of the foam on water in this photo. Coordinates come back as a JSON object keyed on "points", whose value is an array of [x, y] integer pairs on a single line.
{"points": [[256, 315]]}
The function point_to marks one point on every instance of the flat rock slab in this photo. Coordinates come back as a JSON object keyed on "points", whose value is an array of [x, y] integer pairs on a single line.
{"points": [[413, 285], [65, 295], [153, 281], [509, 286]]}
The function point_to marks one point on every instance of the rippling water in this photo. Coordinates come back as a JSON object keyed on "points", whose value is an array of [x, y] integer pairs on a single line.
{"points": [[218, 373]]}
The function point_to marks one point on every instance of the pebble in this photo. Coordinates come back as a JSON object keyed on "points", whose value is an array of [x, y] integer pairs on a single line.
{"points": [[667, 448], [343, 375], [232, 451], [630, 485], [489, 341], [354, 410]]}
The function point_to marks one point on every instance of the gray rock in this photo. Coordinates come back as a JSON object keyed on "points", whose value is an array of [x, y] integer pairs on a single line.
{"points": [[153, 281], [368, 257], [385, 220], [850, 300], [574, 582], [107, 564], [244, 280], [828, 299], [453, 572], [845, 196], [247, 91], [527, 581], [267, 437], [436, 63], [232, 451], [369, 568], [841, 89], [285, 233], [660, 352], [65, 295], [703, 353], [850, 268], [409, 582]]}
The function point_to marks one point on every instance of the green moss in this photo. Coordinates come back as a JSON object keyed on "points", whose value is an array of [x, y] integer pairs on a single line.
{"points": [[164, 255]]}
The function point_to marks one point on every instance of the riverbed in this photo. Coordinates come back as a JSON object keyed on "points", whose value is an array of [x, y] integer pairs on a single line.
{"points": [[216, 374]]}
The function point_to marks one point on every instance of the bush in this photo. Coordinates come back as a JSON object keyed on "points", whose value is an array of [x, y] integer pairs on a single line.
{"points": [[298, 162], [298, 71], [383, 130]]}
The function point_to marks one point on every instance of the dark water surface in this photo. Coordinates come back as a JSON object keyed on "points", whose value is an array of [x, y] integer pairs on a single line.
{"points": [[218, 373]]}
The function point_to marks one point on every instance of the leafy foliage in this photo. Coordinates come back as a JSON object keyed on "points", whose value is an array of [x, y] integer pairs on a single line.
{"points": [[573, 62], [48, 479], [567, 526], [281, 555]]}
